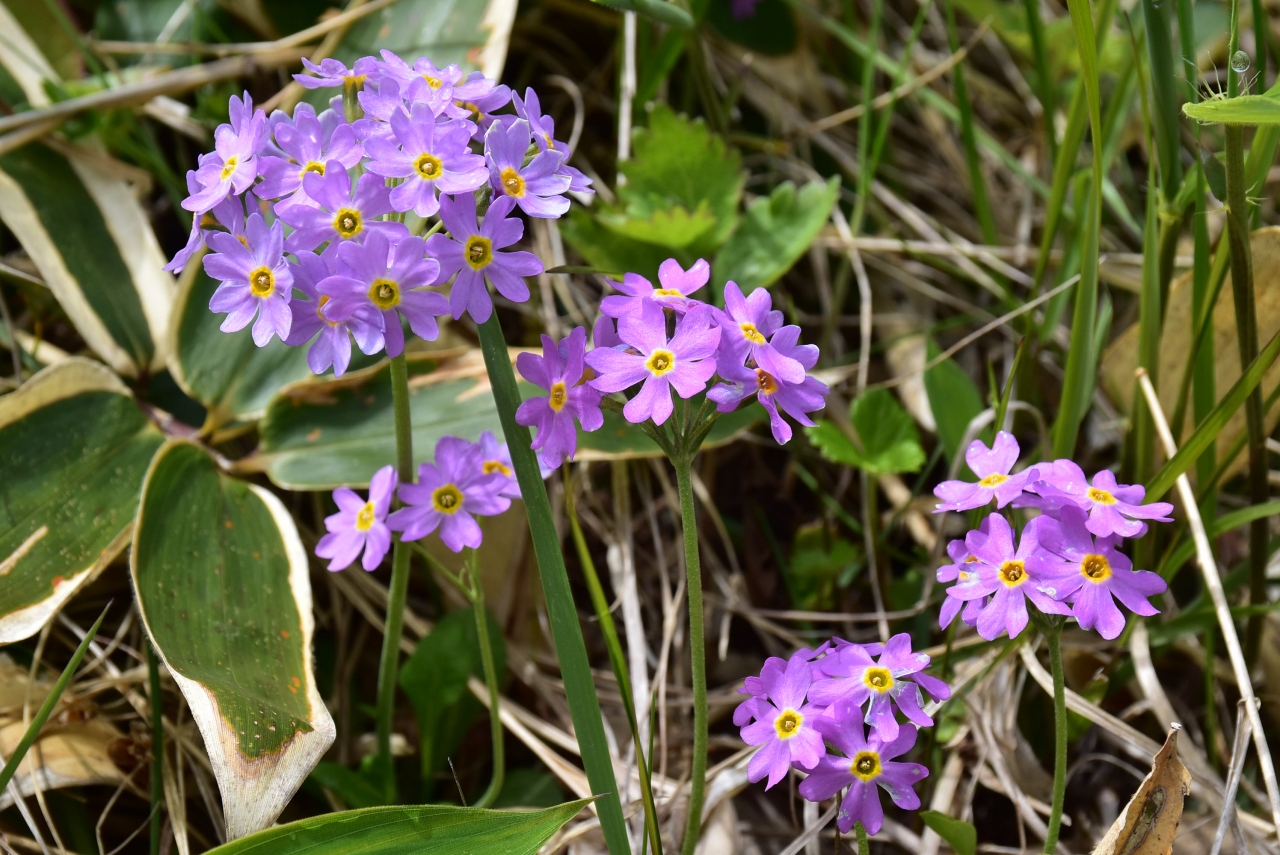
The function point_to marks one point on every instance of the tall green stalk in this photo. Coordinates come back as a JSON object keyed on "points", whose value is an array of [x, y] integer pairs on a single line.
{"points": [[697, 648], [1053, 637], [977, 183], [491, 682], [157, 748], [860, 831], [1238, 229], [1044, 77], [579, 687], [399, 588]]}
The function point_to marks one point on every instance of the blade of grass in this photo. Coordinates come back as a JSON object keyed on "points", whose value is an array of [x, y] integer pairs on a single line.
{"points": [[977, 183], [1165, 127], [1002, 406], [157, 748], [1044, 77], [46, 709]]}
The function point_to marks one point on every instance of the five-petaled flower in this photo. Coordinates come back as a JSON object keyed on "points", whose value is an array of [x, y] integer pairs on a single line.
{"points": [[1112, 508], [675, 284], [255, 280], [785, 726], [537, 187], [428, 157], [338, 213], [360, 524], [449, 494], [992, 466], [561, 370], [471, 251]]}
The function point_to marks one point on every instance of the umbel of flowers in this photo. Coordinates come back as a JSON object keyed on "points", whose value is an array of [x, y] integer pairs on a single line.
{"points": [[400, 204]]}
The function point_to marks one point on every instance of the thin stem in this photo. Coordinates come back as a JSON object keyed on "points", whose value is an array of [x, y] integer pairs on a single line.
{"points": [[864, 847], [157, 748], [579, 686], [491, 681], [399, 588], [697, 649], [1053, 636]]}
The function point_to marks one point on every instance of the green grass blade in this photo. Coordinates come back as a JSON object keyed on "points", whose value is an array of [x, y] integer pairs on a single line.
{"points": [[1044, 77], [50, 703], [977, 183]]}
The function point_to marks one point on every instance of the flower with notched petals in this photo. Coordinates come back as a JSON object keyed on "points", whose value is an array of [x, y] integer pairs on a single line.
{"points": [[471, 251], [785, 725], [561, 371], [255, 280], [449, 494], [536, 186], [338, 213], [360, 525], [992, 466]]}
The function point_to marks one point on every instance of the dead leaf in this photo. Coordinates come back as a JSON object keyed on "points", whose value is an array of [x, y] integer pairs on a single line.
{"points": [[1121, 357], [1148, 823]]}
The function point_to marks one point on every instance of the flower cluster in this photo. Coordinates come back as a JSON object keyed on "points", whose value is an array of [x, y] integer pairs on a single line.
{"points": [[466, 480], [662, 340], [1066, 561], [803, 710], [315, 220]]}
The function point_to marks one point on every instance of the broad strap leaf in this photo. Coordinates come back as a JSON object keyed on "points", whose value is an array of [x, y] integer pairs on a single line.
{"points": [[74, 448], [221, 582]]}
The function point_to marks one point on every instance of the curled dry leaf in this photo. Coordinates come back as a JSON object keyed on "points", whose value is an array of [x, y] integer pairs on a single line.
{"points": [[1148, 823]]}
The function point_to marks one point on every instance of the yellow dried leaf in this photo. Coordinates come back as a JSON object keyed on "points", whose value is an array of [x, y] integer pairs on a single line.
{"points": [[1148, 823]]}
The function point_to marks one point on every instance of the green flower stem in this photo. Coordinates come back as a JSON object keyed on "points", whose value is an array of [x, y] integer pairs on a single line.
{"points": [[697, 648], [864, 847], [1053, 635], [399, 588], [580, 689], [491, 681], [157, 748]]}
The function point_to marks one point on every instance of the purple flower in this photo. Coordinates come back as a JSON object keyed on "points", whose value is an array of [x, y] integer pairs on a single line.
{"points": [[747, 324], [389, 279], [234, 165], [229, 213], [360, 525], [308, 147], [495, 457], [682, 363], [775, 395], [784, 723], [543, 129], [255, 280], [423, 82], [1092, 576], [476, 99], [676, 286], [961, 572], [1009, 577], [333, 347], [448, 496], [471, 252], [896, 678], [339, 214], [1113, 508], [605, 333], [535, 187], [992, 466], [561, 372], [867, 765], [331, 72], [429, 157]]}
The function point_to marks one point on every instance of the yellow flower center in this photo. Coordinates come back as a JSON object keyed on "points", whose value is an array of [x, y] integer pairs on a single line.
{"points": [[470, 108], [478, 252], [491, 466], [262, 282], [995, 479], [751, 334], [1013, 573], [447, 499], [230, 166], [512, 182], [364, 519], [660, 362], [558, 398], [1095, 568], [765, 384], [433, 82], [788, 724], [314, 166], [551, 144], [428, 166], [384, 293], [666, 292], [866, 766], [1102, 497], [347, 223], [878, 679], [324, 298]]}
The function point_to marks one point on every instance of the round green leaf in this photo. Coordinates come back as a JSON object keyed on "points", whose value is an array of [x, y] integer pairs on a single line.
{"points": [[73, 449], [222, 586]]}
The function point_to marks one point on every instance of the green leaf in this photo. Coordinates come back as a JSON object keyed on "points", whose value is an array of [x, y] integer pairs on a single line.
{"points": [[770, 30], [435, 680], [820, 564], [85, 231], [890, 443], [425, 830], [226, 372], [354, 789], [662, 11], [610, 250], [1241, 110], [73, 451], [776, 231], [953, 398], [959, 835], [222, 586], [675, 228]]}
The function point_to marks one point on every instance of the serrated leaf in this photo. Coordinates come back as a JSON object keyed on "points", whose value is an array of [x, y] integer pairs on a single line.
{"points": [[774, 234], [953, 398], [890, 444], [1241, 110], [608, 250], [426, 830], [222, 586], [85, 231], [675, 228], [961, 836], [73, 451]]}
